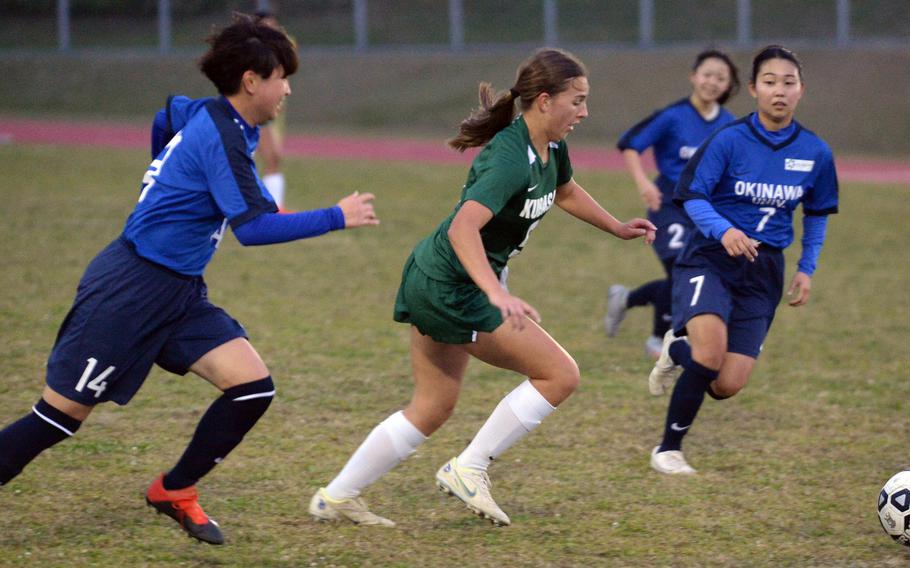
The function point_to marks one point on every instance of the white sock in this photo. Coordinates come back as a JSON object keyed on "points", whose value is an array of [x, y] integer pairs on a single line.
{"points": [[391, 441], [518, 413], [275, 184]]}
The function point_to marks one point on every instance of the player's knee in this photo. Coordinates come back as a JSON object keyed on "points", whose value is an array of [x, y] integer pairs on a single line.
{"points": [[573, 377], [70, 408], [720, 390], [719, 393], [568, 377], [710, 357]]}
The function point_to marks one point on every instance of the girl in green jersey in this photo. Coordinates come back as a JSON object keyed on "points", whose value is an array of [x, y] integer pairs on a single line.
{"points": [[453, 293]]}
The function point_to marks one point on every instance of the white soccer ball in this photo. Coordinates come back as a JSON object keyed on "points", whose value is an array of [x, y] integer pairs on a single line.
{"points": [[894, 507]]}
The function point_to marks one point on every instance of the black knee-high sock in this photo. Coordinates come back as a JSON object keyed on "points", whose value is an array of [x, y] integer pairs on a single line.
{"points": [[24, 439], [662, 309], [663, 302], [681, 352], [687, 397], [644, 294], [222, 427]]}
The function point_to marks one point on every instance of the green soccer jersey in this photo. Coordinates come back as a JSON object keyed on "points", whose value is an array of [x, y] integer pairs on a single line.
{"points": [[508, 178]]}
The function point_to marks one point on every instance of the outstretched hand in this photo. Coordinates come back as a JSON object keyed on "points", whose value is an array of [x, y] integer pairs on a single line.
{"points": [[800, 286], [634, 228], [358, 211], [514, 309]]}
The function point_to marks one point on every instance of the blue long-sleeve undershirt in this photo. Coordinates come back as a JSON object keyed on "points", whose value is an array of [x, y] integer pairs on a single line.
{"points": [[270, 228], [713, 225], [706, 218], [814, 229]]}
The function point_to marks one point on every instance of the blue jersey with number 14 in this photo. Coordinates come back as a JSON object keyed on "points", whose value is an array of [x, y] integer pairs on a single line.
{"points": [[756, 183]]}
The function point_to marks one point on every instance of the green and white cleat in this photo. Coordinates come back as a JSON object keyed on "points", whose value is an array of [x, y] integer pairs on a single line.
{"points": [[472, 486], [671, 462], [324, 508], [665, 371]]}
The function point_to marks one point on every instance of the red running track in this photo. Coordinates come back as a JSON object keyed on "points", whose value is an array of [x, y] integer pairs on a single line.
{"points": [[27, 131]]}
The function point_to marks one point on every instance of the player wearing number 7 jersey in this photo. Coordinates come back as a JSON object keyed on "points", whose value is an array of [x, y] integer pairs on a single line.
{"points": [[741, 189], [143, 301], [452, 296]]}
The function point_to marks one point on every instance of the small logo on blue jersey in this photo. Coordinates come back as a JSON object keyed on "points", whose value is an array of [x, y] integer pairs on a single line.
{"points": [[686, 152], [794, 165]]}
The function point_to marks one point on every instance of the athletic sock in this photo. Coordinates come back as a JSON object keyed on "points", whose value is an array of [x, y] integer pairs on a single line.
{"points": [[662, 309], [681, 352], [275, 184], [221, 428], [390, 442], [518, 413], [663, 300], [644, 294], [24, 439], [685, 401]]}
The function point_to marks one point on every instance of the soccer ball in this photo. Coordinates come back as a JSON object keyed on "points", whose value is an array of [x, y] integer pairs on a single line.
{"points": [[894, 507]]}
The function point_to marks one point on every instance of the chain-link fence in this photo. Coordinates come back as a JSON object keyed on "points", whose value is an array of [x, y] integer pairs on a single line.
{"points": [[363, 25]]}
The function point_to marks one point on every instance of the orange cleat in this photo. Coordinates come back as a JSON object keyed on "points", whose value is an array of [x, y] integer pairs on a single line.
{"points": [[182, 505]]}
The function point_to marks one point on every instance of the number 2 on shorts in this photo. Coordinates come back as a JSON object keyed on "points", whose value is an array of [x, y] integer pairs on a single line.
{"points": [[698, 281]]}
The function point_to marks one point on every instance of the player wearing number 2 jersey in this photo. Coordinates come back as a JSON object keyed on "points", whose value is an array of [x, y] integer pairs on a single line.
{"points": [[143, 301], [452, 296], [741, 189], [675, 133]]}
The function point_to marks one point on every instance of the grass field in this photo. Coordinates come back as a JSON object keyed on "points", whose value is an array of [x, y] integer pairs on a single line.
{"points": [[789, 470]]}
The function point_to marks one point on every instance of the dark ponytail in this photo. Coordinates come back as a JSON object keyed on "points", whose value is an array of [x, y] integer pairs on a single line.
{"points": [[494, 114]]}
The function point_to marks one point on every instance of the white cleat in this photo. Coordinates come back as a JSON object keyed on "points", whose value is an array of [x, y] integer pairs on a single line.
{"points": [[617, 297], [665, 371], [473, 487], [670, 462], [324, 508], [653, 346]]}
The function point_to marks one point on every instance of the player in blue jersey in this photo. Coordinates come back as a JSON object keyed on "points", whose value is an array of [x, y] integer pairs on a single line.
{"points": [[741, 189], [143, 301], [453, 296], [674, 132]]}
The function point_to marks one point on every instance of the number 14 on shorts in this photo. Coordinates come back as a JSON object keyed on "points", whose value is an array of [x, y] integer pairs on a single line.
{"points": [[98, 384]]}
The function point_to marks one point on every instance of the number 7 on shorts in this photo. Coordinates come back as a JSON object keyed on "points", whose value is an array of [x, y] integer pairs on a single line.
{"points": [[698, 281]]}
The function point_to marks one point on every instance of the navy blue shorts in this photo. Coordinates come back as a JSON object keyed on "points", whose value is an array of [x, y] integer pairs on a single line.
{"points": [[744, 294], [673, 226], [128, 314]]}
